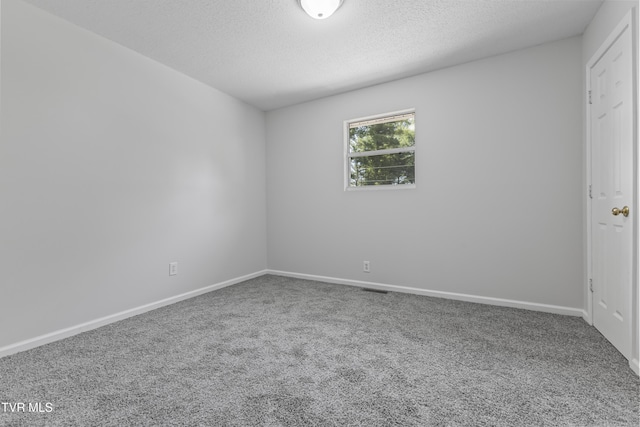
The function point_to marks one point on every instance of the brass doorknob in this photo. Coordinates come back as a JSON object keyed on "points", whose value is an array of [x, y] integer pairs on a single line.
{"points": [[624, 211]]}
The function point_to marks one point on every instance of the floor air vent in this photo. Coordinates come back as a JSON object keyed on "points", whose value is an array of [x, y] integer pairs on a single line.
{"points": [[377, 291]]}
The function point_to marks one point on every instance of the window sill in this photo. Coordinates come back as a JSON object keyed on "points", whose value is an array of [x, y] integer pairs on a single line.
{"points": [[382, 187]]}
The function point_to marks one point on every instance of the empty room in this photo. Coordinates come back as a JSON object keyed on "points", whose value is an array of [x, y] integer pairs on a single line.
{"points": [[319, 212]]}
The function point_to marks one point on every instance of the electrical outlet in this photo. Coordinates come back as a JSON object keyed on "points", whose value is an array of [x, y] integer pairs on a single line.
{"points": [[366, 267], [173, 268]]}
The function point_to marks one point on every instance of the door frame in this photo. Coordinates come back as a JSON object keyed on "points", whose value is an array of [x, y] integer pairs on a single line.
{"points": [[627, 22]]}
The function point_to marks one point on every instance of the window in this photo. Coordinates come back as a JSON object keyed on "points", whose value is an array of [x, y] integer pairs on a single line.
{"points": [[381, 151]]}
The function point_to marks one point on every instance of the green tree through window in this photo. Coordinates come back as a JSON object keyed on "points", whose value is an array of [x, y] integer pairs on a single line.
{"points": [[382, 151]]}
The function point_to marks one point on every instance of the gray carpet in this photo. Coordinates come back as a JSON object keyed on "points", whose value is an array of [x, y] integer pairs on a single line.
{"points": [[285, 352]]}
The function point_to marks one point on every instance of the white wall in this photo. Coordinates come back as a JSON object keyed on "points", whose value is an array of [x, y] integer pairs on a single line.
{"points": [[608, 17], [497, 211], [112, 166]]}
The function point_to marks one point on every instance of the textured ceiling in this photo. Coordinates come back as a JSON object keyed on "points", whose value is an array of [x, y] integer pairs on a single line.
{"points": [[269, 53]]}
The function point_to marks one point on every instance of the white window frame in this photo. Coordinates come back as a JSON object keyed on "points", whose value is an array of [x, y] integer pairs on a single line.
{"points": [[348, 155]]}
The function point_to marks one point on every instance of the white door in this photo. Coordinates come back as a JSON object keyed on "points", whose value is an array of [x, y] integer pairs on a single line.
{"points": [[611, 122]]}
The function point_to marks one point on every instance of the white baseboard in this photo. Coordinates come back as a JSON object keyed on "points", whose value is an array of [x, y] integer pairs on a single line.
{"points": [[93, 324], [547, 308], [635, 366]]}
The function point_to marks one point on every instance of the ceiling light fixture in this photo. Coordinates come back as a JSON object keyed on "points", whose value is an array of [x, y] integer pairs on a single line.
{"points": [[320, 9]]}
